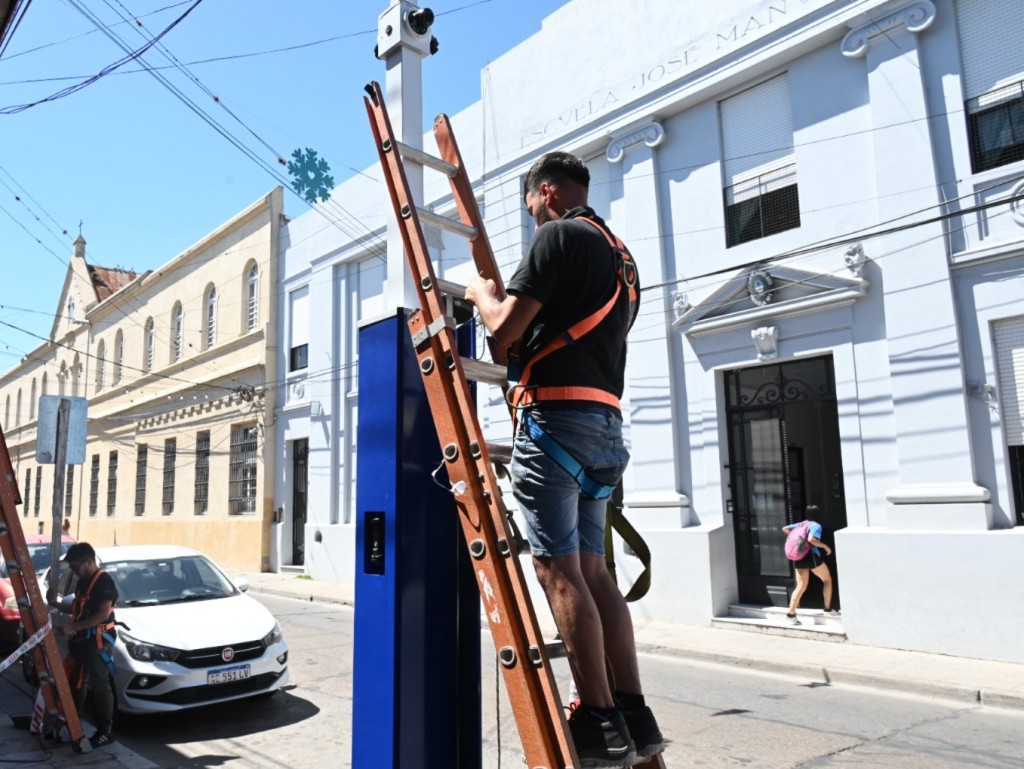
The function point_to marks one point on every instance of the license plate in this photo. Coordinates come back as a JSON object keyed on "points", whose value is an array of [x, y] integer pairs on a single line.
{"points": [[227, 675]]}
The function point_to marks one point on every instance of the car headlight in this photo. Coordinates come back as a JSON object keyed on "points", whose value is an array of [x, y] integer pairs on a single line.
{"points": [[273, 636], [146, 652]]}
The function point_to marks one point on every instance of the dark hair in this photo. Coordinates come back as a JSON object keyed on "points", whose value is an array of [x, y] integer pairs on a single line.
{"points": [[811, 513], [80, 551], [557, 168]]}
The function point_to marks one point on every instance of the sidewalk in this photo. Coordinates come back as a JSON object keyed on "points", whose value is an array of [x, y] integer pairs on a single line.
{"points": [[21, 750], [960, 678]]}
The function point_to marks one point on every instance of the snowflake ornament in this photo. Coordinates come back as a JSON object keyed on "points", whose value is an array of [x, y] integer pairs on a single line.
{"points": [[312, 176]]}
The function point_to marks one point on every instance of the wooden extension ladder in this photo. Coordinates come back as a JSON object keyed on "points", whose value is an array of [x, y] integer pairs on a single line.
{"points": [[59, 705], [520, 647]]}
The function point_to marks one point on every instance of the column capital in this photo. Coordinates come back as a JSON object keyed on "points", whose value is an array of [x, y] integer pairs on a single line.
{"points": [[651, 134], [916, 17]]}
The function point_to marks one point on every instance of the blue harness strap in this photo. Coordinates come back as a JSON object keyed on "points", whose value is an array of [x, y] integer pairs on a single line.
{"points": [[565, 460]]}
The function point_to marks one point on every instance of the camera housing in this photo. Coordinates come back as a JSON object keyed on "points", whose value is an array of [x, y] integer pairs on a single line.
{"points": [[405, 24]]}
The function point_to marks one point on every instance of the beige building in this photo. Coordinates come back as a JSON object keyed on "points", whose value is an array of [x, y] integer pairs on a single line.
{"points": [[177, 364]]}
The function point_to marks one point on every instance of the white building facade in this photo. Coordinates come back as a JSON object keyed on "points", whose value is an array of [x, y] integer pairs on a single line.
{"points": [[823, 198]]}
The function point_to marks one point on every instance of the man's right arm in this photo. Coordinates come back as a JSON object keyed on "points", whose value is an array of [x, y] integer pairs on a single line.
{"points": [[506, 319]]}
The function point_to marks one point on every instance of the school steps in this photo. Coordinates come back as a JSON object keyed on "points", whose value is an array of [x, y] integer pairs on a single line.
{"points": [[815, 624]]}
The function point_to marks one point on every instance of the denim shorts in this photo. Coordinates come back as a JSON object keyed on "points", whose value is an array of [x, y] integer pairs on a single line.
{"points": [[559, 519]]}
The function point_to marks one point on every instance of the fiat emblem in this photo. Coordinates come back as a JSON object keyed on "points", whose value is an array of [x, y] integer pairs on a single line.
{"points": [[228, 654]]}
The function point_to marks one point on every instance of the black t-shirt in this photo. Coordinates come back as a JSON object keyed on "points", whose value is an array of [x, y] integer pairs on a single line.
{"points": [[103, 590], [572, 271]]}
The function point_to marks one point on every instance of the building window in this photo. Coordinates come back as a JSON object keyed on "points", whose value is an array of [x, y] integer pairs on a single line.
{"points": [[32, 402], [995, 124], [298, 329], [94, 485], [142, 459], [992, 73], [299, 358], [101, 364], [112, 484], [17, 409], [211, 317], [118, 356], [760, 191], [243, 470], [177, 333], [202, 494], [252, 299], [39, 489], [149, 341], [69, 490], [1017, 480], [28, 492], [762, 206], [170, 457]]}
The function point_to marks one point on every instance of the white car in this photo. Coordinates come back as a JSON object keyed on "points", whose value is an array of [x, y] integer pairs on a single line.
{"points": [[187, 636]]}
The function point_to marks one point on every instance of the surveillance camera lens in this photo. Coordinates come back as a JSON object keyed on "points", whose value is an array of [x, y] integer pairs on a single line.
{"points": [[420, 20]]}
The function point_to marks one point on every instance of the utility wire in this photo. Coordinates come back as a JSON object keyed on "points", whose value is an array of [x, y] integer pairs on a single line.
{"points": [[130, 56]]}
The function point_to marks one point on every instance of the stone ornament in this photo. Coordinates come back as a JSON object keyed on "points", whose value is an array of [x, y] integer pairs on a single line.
{"points": [[916, 17]]}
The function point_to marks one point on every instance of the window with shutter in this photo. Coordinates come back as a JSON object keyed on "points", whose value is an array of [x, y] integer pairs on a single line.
{"points": [[759, 164], [993, 78]]}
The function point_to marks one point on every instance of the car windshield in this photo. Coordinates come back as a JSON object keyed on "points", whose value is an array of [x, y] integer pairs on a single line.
{"points": [[40, 554], [168, 580]]}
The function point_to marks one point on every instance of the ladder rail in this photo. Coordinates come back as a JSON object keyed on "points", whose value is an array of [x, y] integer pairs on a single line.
{"points": [[53, 682], [514, 627]]}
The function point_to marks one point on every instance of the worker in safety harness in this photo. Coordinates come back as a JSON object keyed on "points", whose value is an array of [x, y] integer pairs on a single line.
{"points": [[91, 637], [569, 306]]}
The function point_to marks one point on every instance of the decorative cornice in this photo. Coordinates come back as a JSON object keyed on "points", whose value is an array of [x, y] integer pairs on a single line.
{"points": [[916, 17], [651, 134]]}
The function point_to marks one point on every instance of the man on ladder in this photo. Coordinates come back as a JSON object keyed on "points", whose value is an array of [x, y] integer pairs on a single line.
{"points": [[568, 308]]}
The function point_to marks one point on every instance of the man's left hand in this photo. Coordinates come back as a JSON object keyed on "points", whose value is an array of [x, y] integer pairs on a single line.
{"points": [[480, 288]]}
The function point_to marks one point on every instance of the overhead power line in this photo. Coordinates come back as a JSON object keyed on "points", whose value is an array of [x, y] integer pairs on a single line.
{"points": [[131, 56]]}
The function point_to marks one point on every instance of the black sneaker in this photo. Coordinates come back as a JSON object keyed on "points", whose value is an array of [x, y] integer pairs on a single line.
{"points": [[601, 743], [644, 731], [100, 739]]}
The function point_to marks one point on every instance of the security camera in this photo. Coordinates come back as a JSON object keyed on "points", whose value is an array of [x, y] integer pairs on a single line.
{"points": [[419, 21]]}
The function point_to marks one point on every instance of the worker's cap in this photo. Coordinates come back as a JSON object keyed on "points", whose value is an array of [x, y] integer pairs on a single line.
{"points": [[80, 551]]}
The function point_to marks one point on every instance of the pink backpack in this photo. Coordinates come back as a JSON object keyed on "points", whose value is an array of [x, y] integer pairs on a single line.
{"points": [[797, 545]]}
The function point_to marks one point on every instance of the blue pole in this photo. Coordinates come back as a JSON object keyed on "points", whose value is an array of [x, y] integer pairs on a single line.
{"points": [[416, 677]]}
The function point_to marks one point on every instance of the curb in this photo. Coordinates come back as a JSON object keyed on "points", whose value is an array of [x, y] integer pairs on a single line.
{"points": [[817, 671], [831, 675]]}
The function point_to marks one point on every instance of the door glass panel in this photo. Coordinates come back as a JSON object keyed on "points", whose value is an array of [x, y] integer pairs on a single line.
{"points": [[768, 493]]}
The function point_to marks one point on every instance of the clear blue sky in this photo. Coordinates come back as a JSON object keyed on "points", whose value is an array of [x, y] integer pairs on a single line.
{"points": [[147, 177]]}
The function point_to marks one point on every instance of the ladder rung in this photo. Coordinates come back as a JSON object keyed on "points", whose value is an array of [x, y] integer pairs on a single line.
{"points": [[500, 452], [555, 648], [456, 290], [445, 223], [419, 156], [482, 371]]}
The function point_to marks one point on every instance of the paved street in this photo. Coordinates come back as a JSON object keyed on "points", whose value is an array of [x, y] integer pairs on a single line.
{"points": [[714, 715]]}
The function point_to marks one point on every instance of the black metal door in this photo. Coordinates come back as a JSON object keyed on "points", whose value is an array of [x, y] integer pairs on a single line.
{"points": [[784, 454], [300, 475]]}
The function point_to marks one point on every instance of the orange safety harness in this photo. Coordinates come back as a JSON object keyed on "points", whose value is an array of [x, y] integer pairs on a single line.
{"points": [[103, 634], [78, 607], [522, 394]]}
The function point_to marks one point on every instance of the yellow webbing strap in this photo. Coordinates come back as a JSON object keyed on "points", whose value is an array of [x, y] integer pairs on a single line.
{"points": [[617, 521]]}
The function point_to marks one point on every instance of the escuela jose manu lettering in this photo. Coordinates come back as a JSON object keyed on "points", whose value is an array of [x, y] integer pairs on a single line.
{"points": [[672, 66]]}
